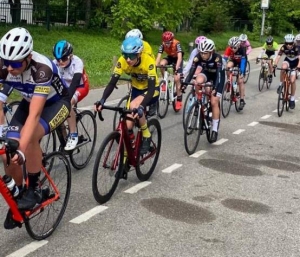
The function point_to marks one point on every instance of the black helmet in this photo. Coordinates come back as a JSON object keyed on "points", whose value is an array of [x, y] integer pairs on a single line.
{"points": [[62, 49], [269, 40]]}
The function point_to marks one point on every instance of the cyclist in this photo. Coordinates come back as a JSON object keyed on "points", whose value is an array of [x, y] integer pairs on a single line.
{"points": [[297, 42], [145, 87], [270, 50], [193, 54], [146, 46], [45, 105], [174, 56], [245, 43], [292, 60], [235, 55], [71, 69], [212, 69]]}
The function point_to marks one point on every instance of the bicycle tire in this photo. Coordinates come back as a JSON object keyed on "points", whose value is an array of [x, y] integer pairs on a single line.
{"points": [[41, 223], [261, 79], [163, 101], [287, 102], [153, 154], [192, 121], [238, 100], [281, 101], [48, 145], [109, 141], [247, 73], [226, 100], [87, 134], [187, 104], [123, 103], [175, 98]]}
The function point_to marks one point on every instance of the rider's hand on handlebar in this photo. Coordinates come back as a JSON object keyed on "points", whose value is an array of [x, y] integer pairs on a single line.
{"points": [[18, 158], [138, 112], [98, 105], [275, 66]]}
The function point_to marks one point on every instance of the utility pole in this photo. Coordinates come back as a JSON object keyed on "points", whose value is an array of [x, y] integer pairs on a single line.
{"points": [[264, 6]]}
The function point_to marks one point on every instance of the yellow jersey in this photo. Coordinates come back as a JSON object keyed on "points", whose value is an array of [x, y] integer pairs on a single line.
{"points": [[147, 49], [139, 74]]}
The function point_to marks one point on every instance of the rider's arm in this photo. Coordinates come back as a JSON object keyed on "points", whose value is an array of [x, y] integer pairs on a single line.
{"points": [[160, 51], [192, 70], [249, 48], [220, 77], [280, 52], [75, 83], [179, 56], [110, 87], [150, 92]]}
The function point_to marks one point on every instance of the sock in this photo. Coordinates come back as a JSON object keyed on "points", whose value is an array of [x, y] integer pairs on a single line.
{"points": [[34, 179], [145, 131], [280, 84], [215, 125], [74, 134], [292, 98], [179, 98]]}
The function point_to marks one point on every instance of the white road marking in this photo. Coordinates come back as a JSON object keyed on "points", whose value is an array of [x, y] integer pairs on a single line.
{"points": [[239, 131], [172, 168], [296, 101], [197, 154], [89, 214], [221, 141], [27, 249], [265, 117], [137, 187], [252, 124], [275, 110]]}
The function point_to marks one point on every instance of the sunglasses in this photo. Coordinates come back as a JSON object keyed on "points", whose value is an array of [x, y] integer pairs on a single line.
{"points": [[130, 56], [234, 47], [269, 44], [13, 64], [289, 44], [64, 59]]}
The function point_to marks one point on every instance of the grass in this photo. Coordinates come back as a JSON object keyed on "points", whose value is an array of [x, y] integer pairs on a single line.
{"points": [[98, 48]]}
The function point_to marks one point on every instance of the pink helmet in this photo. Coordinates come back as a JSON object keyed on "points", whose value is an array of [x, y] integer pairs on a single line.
{"points": [[199, 39]]}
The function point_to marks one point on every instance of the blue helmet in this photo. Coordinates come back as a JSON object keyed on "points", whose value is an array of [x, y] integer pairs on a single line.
{"points": [[62, 49], [132, 45]]}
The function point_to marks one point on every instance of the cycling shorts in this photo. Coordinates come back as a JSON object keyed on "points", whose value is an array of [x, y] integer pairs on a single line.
{"points": [[136, 92], [173, 60]]}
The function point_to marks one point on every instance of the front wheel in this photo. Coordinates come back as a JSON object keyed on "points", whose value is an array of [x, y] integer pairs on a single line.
{"points": [[147, 163], [187, 105], [237, 100], [226, 100], [163, 103], [56, 188], [107, 167], [247, 73], [261, 79], [281, 101]]}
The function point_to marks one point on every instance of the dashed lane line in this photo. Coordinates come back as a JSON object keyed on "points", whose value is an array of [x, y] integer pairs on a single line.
{"points": [[197, 154], [265, 117], [89, 214], [239, 131], [252, 124], [27, 249], [221, 141], [173, 167], [137, 187]]}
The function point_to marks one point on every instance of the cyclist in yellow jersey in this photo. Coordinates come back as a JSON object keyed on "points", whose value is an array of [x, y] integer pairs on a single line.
{"points": [[146, 46], [145, 88], [270, 50]]}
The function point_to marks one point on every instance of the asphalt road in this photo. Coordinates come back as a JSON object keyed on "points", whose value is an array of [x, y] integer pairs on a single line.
{"points": [[238, 197]]}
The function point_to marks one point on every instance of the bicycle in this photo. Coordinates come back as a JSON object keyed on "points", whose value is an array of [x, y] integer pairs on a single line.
{"points": [[41, 221], [285, 93], [9, 109], [188, 101], [199, 119], [231, 92], [167, 92], [247, 72], [263, 78], [86, 127], [112, 164]]}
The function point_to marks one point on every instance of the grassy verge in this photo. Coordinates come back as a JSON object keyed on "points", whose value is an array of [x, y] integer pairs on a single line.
{"points": [[98, 48]]}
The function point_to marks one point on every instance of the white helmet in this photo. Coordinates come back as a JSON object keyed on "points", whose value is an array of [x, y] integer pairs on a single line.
{"points": [[206, 45], [297, 37], [16, 44], [243, 37], [134, 33], [234, 42], [289, 38]]}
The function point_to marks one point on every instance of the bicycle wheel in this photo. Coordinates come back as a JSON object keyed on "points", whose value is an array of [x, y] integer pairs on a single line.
{"points": [[261, 79], [87, 134], [122, 103], [175, 98], [247, 73], [163, 103], [187, 105], [281, 101], [226, 100], [147, 163], [108, 167], [237, 100], [43, 221], [193, 127], [48, 145], [10, 110]]}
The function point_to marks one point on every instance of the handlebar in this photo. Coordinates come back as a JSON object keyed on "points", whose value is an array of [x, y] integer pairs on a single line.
{"points": [[166, 66], [9, 147]]}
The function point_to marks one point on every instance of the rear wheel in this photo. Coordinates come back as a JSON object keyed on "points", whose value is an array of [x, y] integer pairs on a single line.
{"points": [[174, 98], [237, 99], [87, 134], [163, 103], [147, 162], [261, 79], [187, 105], [107, 168], [281, 101], [122, 103], [44, 220], [192, 130], [226, 100], [247, 73]]}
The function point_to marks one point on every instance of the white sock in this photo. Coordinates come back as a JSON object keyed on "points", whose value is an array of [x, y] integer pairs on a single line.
{"points": [[215, 125], [292, 98]]}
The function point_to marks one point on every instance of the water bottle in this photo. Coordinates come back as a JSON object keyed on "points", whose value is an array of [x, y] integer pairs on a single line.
{"points": [[234, 86], [131, 138], [11, 184]]}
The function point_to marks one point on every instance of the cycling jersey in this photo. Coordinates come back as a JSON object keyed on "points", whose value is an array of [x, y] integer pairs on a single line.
{"points": [[238, 57], [172, 50], [291, 54], [212, 69], [67, 73], [40, 78], [247, 45], [147, 49]]}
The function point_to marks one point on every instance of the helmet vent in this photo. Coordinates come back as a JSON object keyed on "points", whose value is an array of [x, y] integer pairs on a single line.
{"points": [[11, 50], [17, 38]]}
